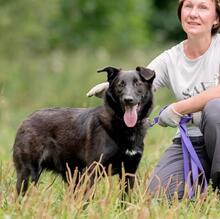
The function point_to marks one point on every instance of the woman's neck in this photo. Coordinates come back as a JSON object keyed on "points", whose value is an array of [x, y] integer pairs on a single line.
{"points": [[195, 47]]}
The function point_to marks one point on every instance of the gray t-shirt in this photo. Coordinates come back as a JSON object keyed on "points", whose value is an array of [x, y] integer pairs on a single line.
{"points": [[187, 77]]}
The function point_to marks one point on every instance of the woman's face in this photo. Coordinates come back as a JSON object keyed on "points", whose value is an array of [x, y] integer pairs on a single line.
{"points": [[198, 17]]}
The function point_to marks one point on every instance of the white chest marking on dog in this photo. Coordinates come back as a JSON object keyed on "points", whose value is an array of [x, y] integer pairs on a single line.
{"points": [[132, 152]]}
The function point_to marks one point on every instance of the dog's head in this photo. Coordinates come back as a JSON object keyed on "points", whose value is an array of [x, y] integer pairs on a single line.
{"points": [[130, 93]]}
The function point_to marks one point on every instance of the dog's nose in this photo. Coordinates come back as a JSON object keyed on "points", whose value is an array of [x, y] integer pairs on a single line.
{"points": [[128, 100]]}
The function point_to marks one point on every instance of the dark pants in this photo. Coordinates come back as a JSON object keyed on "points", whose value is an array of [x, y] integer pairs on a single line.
{"points": [[168, 175]]}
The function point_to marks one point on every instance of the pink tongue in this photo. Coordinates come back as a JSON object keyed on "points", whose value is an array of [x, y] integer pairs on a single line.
{"points": [[130, 116]]}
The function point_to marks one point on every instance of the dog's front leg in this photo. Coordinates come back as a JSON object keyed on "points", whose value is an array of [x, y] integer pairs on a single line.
{"points": [[127, 184], [127, 176]]}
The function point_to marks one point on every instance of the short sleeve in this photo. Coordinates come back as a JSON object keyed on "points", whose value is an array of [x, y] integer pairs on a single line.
{"points": [[159, 65]]}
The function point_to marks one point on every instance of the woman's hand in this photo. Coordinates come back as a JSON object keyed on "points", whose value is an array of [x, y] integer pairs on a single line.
{"points": [[169, 117], [98, 90]]}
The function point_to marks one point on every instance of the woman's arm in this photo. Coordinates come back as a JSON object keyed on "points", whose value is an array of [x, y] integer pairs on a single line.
{"points": [[172, 114], [197, 103]]}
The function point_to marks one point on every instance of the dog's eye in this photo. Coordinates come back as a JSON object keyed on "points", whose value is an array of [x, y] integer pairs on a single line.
{"points": [[137, 83], [121, 84], [135, 80]]}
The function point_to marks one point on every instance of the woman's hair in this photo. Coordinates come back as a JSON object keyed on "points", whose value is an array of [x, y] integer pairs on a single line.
{"points": [[215, 28]]}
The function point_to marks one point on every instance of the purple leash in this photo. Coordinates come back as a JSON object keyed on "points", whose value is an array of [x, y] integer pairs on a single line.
{"points": [[193, 170]]}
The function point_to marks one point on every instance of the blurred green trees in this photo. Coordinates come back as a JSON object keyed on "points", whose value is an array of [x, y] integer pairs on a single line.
{"points": [[44, 25], [165, 21]]}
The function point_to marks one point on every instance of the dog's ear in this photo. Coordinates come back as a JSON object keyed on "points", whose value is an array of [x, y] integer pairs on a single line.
{"points": [[111, 71], [146, 73]]}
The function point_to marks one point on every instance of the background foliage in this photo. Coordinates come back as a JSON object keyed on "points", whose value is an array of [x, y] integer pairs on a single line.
{"points": [[45, 25]]}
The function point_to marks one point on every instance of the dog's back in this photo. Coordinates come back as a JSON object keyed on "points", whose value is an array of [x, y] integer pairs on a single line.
{"points": [[50, 138]]}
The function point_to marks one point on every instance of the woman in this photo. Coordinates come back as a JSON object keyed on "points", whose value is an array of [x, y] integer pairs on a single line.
{"points": [[190, 68]]}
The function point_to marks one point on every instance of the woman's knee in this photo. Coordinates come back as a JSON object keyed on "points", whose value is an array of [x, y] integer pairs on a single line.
{"points": [[168, 176], [170, 187], [211, 111]]}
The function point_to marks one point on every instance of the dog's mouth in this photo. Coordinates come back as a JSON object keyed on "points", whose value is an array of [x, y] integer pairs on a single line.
{"points": [[130, 115]]}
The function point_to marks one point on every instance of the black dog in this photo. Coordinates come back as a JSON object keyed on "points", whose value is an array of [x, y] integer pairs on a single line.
{"points": [[52, 138]]}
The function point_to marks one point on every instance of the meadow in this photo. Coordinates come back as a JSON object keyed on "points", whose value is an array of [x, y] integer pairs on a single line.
{"points": [[29, 82]]}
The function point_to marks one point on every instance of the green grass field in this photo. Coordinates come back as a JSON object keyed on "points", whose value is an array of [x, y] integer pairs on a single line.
{"points": [[30, 82]]}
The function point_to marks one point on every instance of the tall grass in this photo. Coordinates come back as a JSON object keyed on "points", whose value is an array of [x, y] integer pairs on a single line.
{"points": [[31, 82]]}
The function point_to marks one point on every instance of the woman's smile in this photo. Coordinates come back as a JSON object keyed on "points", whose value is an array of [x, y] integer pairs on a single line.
{"points": [[193, 23]]}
